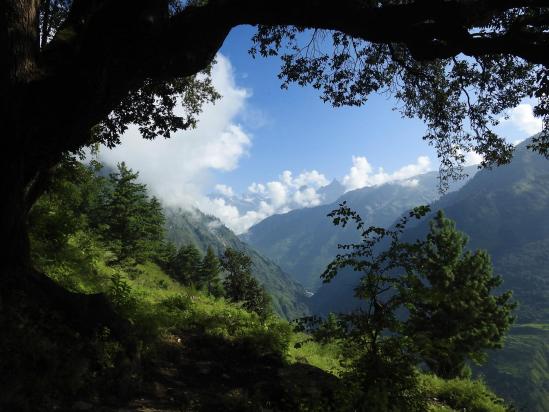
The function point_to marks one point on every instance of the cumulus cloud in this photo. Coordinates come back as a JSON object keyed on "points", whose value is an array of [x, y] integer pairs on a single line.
{"points": [[290, 192], [362, 173], [224, 190], [286, 193], [522, 117], [472, 158], [178, 169]]}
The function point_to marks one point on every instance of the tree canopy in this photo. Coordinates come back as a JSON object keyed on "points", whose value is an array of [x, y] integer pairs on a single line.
{"points": [[455, 64], [78, 72], [241, 286], [426, 302]]}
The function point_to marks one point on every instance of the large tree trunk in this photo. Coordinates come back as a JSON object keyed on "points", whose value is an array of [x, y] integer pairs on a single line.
{"points": [[84, 312], [27, 157]]}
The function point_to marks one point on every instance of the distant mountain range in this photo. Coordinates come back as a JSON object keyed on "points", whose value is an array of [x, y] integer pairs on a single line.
{"points": [[185, 227], [304, 241], [504, 210], [251, 200]]}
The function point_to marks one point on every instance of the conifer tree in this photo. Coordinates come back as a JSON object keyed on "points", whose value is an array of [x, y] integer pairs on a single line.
{"points": [[239, 272], [132, 222], [241, 286], [186, 265], [209, 273], [454, 316], [451, 314]]}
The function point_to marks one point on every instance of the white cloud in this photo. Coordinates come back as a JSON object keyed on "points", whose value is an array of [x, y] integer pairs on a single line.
{"points": [[277, 193], [522, 117], [256, 188], [290, 192], [277, 196], [225, 190], [178, 169], [409, 182], [307, 197], [472, 158], [362, 173]]}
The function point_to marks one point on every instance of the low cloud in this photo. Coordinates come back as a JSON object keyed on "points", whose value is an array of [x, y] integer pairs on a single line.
{"points": [[290, 192], [265, 199], [522, 118], [362, 173], [224, 190], [472, 158], [178, 170]]}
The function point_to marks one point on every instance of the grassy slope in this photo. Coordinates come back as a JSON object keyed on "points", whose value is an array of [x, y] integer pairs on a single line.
{"points": [[205, 354], [523, 364], [184, 227]]}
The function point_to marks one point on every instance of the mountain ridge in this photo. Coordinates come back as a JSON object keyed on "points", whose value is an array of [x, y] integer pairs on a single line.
{"points": [[193, 226], [304, 241]]}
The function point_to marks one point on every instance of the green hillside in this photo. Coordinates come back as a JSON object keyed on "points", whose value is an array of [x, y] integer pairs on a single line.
{"points": [[520, 371], [138, 340], [304, 241], [505, 212], [185, 227]]}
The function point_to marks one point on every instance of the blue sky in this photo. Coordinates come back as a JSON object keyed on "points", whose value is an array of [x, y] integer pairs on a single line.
{"points": [[271, 149], [300, 132]]}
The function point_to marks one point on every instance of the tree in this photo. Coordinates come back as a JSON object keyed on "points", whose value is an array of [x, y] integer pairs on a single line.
{"points": [[454, 316], [210, 269], [77, 72], [61, 212], [186, 265], [130, 221], [427, 301], [241, 286], [238, 266], [380, 358]]}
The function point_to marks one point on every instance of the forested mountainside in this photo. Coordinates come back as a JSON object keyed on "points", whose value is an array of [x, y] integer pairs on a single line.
{"points": [[503, 211], [194, 227], [304, 241], [162, 340]]}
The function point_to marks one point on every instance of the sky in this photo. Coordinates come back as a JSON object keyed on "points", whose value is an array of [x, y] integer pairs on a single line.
{"points": [[271, 149]]}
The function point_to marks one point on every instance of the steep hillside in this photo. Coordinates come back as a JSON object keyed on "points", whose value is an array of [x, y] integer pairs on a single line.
{"points": [[505, 212], [183, 227], [304, 241]]}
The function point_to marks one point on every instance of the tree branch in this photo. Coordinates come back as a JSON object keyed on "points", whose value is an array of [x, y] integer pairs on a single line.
{"points": [[107, 48]]}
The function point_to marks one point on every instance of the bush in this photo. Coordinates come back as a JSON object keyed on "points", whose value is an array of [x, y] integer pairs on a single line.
{"points": [[461, 394]]}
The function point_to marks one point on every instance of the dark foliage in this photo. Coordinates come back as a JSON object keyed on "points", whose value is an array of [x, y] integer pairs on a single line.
{"points": [[241, 286], [427, 301]]}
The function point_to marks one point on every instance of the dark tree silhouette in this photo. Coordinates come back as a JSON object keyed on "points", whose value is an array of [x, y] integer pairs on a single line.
{"points": [[74, 73]]}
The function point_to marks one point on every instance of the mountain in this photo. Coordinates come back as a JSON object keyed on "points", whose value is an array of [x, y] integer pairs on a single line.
{"points": [[184, 227], [504, 211], [331, 192], [304, 241]]}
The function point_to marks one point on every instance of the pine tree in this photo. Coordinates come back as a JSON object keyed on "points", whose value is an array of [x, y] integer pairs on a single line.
{"points": [[428, 302], [186, 265], [239, 268], [454, 316], [131, 222], [209, 273], [241, 286]]}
